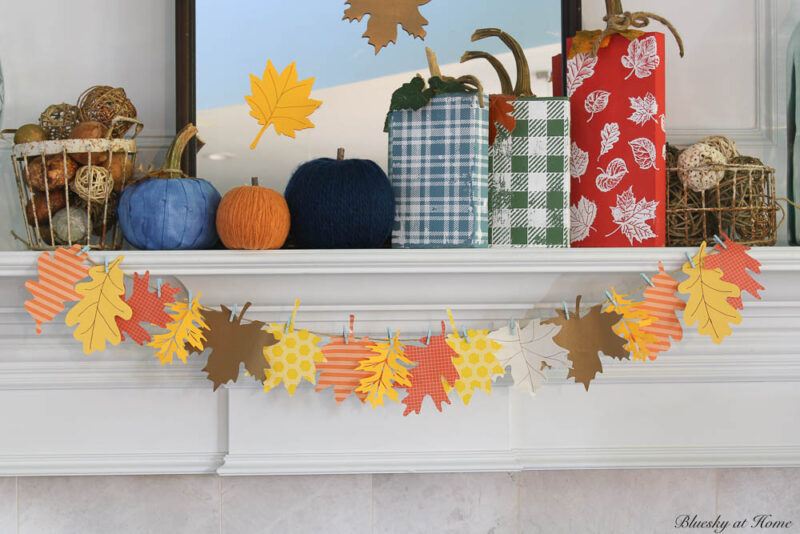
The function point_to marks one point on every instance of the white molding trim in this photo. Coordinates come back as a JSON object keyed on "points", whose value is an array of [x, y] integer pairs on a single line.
{"points": [[140, 463]]}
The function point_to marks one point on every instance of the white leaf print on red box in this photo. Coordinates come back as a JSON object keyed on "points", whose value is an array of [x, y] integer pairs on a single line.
{"points": [[644, 109], [578, 161], [631, 216], [642, 57], [608, 138], [596, 102], [614, 173], [644, 153], [581, 218], [579, 68]]}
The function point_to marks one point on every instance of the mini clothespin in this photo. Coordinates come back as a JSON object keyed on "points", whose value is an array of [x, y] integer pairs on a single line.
{"points": [[511, 325], [691, 261], [389, 333], [720, 241], [465, 334], [158, 287], [85, 249], [190, 298], [647, 279], [428, 341], [566, 310], [611, 299], [288, 322], [344, 334], [233, 312], [106, 263]]}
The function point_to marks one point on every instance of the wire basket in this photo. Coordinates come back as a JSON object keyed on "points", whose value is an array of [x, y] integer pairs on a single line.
{"points": [[68, 188]]}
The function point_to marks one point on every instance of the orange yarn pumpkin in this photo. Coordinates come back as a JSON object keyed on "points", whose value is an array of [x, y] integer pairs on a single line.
{"points": [[253, 218]]}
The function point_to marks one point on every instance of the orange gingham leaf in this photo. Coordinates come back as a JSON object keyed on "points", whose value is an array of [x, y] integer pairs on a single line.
{"points": [[500, 110], [184, 330], [387, 368], [57, 277], [385, 16], [660, 302], [146, 307], [282, 101], [735, 262], [631, 326], [434, 369]]}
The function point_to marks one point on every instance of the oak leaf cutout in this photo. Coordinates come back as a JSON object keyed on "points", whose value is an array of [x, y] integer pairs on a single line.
{"points": [[632, 326], [281, 100], [661, 302], [642, 57], [385, 16], [734, 261], [57, 277], [631, 216], [342, 358], [596, 102], [185, 330], [433, 371], [611, 177], [500, 110], [585, 337], [388, 369], [582, 217], [146, 307], [609, 136]]}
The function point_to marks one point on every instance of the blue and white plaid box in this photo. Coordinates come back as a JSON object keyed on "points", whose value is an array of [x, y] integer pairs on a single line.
{"points": [[439, 169]]}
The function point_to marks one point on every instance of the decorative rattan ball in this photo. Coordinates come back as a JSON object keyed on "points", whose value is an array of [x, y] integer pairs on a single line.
{"points": [[700, 155], [93, 184], [725, 146], [102, 103], [57, 120]]}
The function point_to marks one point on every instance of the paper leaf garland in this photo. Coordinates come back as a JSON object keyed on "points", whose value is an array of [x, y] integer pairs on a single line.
{"points": [[385, 16], [387, 368], [233, 343], [661, 302], [146, 307], [500, 110], [185, 329], [529, 350], [339, 369], [584, 337], [57, 276], [708, 304], [735, 262], [282, 101], [631, 326], [96, 313], [476, 363], [433, 370], [293, 357]]}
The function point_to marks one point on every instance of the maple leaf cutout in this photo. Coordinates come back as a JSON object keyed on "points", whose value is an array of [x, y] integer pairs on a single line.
{"points": [[388, 369], [102, 302], [57, 276], [529, 350], [609, 136], [581, 218], [384, 18], [632, 326], [500, 110], [735, 262], [579, 68], [146, 307], [234, 343], [609, 179], [476, 363], [661, 302], [282, 101], [578, 161], [642, 57], [644, 109], [339, 370], [708, 299], [186, 329], [596, 102], [644, 153], [585, 337], [631, 216], [433, 371]]}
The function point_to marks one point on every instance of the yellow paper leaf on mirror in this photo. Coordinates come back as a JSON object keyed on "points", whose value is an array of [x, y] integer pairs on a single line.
{"points": [[102, 302], [184, 330]]}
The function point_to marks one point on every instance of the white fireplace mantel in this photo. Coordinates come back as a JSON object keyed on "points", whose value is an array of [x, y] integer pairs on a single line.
{"points": [[120, 412]]}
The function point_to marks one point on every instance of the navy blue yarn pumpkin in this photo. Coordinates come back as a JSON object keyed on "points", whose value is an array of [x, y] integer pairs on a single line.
{"points": [[339, 203]]}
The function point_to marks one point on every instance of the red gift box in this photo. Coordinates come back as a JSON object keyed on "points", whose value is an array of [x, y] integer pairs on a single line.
{"points": [[618, 146]]}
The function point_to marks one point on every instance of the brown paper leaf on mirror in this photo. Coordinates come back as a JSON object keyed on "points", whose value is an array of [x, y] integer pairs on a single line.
{"points": [[385, 16]]}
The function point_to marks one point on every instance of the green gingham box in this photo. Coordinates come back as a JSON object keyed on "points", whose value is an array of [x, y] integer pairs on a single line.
{"points": [[529, 177], [439, 170]]}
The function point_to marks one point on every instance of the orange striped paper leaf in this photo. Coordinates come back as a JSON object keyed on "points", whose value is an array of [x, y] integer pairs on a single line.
{"points": [[341, 360], [661, 302], [58, 275]]}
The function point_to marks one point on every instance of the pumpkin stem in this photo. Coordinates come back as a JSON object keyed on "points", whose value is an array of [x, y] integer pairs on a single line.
{"points": [[433, 63], [523, 85], [172, 161], [614, 7], [340, 154], [254, 181], [502, 73]]}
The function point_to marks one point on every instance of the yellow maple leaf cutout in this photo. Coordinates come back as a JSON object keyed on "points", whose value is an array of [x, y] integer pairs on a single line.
{"points": [[293, 357], [282, 101], [634, 319], [185, 328], [103, 301], [476, 363], [389, 368], [708, 299]]}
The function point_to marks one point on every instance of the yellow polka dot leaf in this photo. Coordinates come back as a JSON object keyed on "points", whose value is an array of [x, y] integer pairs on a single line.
{"points": [[293, 357], [476, 362]]}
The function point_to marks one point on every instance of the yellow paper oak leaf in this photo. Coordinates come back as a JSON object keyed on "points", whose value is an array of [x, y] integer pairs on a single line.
{"points": [[282, 101], [630, 327], [184, 331], [708, 299], [388, 369], [293, 357], [102, 302]]}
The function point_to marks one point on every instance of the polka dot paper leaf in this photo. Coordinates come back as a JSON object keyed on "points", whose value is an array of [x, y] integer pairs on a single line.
{"points": [[294, 356], [185, 329], [661, 302], [585, 337], [282, 101], [146, 307], [433, 370], [529, 350], [734, 261], [632, 325], [384, 18], [234, 343], [476, 362], [388, 369], [95, 314], [57, 276], [708, 304], [340, 368]]}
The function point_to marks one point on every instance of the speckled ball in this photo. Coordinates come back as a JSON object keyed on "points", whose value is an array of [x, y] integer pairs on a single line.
{"points": [[700, 155]]}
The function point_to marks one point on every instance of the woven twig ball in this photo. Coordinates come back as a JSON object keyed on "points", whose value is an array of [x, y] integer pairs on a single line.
{"points": [[93, 184], [700, 155], [58, 120], [103, 104]]}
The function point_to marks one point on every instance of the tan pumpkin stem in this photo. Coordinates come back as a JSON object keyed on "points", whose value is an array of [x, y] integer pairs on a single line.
{"points": [[172, 161], [433, 67], [502, 73], [523, 85], [619, 21], [433, 63], [340, 154], [254, 181]]}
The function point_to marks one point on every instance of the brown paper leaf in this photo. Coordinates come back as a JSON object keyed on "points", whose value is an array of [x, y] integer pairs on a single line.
{"points": [[384, 17]]}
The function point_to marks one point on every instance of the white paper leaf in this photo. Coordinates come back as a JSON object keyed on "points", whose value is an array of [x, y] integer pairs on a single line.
{"points": [[596, 102], [608, 138], [631, 216], [608, 179], [644, 109], [581, 218], [579, 68], [528, 350], [642, 57], [644, 153], [578, 161]]}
